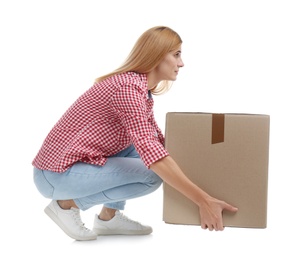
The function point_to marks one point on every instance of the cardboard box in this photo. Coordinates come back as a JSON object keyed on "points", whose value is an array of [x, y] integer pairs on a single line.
{"points": [[227, 156]]}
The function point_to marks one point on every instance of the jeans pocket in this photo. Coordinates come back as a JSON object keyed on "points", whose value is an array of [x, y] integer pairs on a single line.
{"points": [[42, 184]]}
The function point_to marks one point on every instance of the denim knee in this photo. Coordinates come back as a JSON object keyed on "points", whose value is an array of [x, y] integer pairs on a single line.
{"points": [[156, 181], [42, 184]]}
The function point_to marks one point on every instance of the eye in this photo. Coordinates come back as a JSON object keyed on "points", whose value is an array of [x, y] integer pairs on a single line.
{"points": [[178, 54]]}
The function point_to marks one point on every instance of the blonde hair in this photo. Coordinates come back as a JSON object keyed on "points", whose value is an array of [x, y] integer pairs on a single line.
{"points": [[148, 52]]}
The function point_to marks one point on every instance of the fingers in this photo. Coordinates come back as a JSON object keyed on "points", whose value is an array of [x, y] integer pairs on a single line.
{"points": [[209, 227], [217, 226], [212, 220], [230, 208], [215, 222], [213, 227]]}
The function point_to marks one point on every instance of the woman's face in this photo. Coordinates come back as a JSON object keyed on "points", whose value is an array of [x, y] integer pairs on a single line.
{"points": [[169, 67]]}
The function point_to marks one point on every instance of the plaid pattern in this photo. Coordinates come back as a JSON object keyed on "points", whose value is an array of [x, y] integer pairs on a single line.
{"points": [[107, 118]]}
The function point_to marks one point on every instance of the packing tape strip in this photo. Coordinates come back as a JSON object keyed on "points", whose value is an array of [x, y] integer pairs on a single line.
{"points": [[218, 128]]}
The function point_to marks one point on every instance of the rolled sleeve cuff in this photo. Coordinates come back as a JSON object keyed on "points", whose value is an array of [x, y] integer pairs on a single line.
{"points": [[151, 152]]}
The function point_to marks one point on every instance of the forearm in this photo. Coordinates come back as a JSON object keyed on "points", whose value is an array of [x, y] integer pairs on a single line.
{"points": [[171, 173]]}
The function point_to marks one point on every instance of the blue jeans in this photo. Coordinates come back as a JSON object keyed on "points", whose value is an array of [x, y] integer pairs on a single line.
{"points": [[123, 177]]}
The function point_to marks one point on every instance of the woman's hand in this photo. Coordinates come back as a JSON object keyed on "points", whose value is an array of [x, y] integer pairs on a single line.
{"points": [[210, 208], [211, 213]]}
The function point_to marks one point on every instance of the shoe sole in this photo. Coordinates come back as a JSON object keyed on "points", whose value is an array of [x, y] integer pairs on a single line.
{"points": [[109, 232], [54, 217]]}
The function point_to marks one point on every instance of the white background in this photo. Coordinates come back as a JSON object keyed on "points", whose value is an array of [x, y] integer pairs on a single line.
{"points": [[240, 56]]}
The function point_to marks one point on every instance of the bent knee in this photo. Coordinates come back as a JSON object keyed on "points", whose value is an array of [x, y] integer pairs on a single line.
{"points": [[156, 181]]}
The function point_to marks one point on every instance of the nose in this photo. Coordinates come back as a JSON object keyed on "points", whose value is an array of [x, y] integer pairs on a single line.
{"points": [[180, 64]]}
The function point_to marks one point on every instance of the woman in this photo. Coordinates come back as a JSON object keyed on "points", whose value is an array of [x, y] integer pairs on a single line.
{"points": [[107, 147]]}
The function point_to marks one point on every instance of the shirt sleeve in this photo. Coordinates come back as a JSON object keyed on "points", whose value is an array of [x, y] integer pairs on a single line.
{"points": [[130, 103]]}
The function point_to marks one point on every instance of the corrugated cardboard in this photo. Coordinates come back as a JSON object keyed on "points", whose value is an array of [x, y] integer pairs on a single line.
{"points": [[227, 156]]}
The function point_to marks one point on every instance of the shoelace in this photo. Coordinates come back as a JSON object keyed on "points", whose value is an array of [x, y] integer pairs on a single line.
{"points": [[76, 217], [125, 218]]}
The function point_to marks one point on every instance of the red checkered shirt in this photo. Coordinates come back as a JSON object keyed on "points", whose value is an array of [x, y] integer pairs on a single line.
{"points": [[107, 118]]}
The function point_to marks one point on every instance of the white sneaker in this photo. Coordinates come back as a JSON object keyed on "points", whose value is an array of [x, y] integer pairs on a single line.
{"points": [[69, 221], [119, 225]]}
